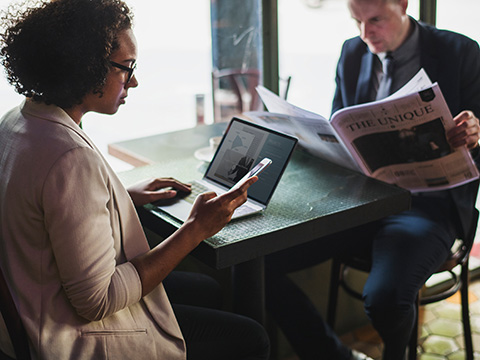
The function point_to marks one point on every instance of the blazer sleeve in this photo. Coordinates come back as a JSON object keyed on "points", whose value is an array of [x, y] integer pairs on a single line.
{"points": [[78, 207], [470, 77], [470, 84]]}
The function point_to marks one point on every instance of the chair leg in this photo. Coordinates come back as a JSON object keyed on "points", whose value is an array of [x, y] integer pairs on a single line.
{"points": [[333, 292], [412, 346], [467, 332]]}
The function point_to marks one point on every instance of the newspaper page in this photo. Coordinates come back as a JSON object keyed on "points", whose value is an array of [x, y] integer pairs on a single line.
{"points": [[400, 139], [420, 81], [317, 136], [314, 132]]}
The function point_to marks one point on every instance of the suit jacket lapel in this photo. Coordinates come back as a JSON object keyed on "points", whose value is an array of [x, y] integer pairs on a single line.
{"points": [[130, 226], [157, 301], [129, 223], [363, 84], [428, 54]]}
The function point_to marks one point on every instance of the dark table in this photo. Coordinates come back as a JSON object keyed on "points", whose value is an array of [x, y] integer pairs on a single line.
{"points": [[315, 198]]}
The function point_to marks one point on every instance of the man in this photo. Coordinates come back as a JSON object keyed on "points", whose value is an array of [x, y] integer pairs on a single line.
{"points": [[408, 247]]}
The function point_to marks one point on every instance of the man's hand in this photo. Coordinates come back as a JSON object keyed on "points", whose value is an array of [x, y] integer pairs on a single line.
{"points": [[154, 189], [466, 132]]}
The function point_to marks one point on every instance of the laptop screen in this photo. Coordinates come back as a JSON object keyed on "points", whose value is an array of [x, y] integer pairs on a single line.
{"points": [[243, 146]]}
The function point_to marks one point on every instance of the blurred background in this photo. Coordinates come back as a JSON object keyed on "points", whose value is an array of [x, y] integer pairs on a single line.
{"points": [[176, 61]]}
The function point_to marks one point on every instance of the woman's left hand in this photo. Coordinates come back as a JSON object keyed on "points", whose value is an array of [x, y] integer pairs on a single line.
{"points": [[151, 190], [466, 132]]}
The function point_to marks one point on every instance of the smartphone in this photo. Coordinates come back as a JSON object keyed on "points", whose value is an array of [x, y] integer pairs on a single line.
{"points": [[256, 170]]}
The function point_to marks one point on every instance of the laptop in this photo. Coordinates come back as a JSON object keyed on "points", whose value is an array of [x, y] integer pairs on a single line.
{"points": [[244, 145]]}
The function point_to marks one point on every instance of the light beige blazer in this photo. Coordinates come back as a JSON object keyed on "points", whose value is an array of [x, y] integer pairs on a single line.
{"points": [[67, 230]]}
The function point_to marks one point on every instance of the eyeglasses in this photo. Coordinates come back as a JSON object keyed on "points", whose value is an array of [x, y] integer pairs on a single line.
{"points": [[129, 70]]}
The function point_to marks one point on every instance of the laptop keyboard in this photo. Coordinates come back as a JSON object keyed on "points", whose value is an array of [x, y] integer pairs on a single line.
{"points": [[243, 209], [198, 188]]}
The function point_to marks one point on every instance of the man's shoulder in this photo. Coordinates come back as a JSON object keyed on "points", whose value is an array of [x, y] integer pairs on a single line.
{"points": [[432, 33], [354, 48], [354, 44]]}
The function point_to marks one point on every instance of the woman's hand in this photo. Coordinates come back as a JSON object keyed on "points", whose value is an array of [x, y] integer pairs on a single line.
{"points": [[466, 132], [210, 213], [151, 190]]}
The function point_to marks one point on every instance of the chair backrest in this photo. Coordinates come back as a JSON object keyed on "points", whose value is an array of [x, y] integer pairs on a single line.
{"points": [[13, 322], [234, 92]]}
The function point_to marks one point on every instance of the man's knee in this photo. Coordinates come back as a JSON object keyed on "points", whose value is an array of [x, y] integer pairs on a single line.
{"points": [[389, 307]]}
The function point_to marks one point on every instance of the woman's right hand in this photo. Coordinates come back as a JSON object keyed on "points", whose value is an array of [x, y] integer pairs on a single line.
{"points": [[210, 213]]}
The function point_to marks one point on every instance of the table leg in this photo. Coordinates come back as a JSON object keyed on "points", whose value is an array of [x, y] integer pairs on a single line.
{"points": [[248, 281]]}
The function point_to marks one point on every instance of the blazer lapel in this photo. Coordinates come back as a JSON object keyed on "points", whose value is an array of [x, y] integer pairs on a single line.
{"points": [[428, 54], [130, 225], [157, 301], [363, 85]]}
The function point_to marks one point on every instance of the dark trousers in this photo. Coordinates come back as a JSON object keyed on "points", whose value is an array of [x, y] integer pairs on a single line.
{"points": [[210, 333], [405, 250]]}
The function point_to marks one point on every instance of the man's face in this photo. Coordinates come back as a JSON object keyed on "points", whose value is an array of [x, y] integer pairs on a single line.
{"points": [[383, 24]]}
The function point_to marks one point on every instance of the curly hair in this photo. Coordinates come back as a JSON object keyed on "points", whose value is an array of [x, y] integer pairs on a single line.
{"points": [[57, 52]]}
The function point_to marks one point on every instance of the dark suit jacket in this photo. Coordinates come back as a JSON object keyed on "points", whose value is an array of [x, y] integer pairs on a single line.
{"points": [[450, 59]]}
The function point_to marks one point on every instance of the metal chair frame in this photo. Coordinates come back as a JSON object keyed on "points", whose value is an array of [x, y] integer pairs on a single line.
{"points": [[459, 257], [242, 82]]}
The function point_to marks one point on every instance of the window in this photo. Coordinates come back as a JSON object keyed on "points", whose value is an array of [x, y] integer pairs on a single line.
{"points": [[175, 58], [174, 65], [237, 56], [311, 33], [459, 16]]}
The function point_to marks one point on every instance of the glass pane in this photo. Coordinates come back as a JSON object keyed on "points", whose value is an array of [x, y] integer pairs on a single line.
{"points": [[237, 56], [459, 16], [174, 65], [311, 33]]}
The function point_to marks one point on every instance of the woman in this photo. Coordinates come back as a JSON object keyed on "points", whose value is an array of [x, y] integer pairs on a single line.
{"points": [[72, 249]]}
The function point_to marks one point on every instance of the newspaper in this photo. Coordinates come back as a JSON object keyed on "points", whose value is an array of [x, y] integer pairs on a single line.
{"points": [[400, 139]]}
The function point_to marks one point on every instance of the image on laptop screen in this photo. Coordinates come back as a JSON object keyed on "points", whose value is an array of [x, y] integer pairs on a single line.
{"points": [[243, 146]]}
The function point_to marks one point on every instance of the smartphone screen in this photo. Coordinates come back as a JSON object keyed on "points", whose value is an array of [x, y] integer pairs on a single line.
{"points": [[256, 170]]}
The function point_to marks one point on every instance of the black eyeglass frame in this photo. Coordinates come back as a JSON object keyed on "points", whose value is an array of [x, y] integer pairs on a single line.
{"points": [[129, 70]]}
